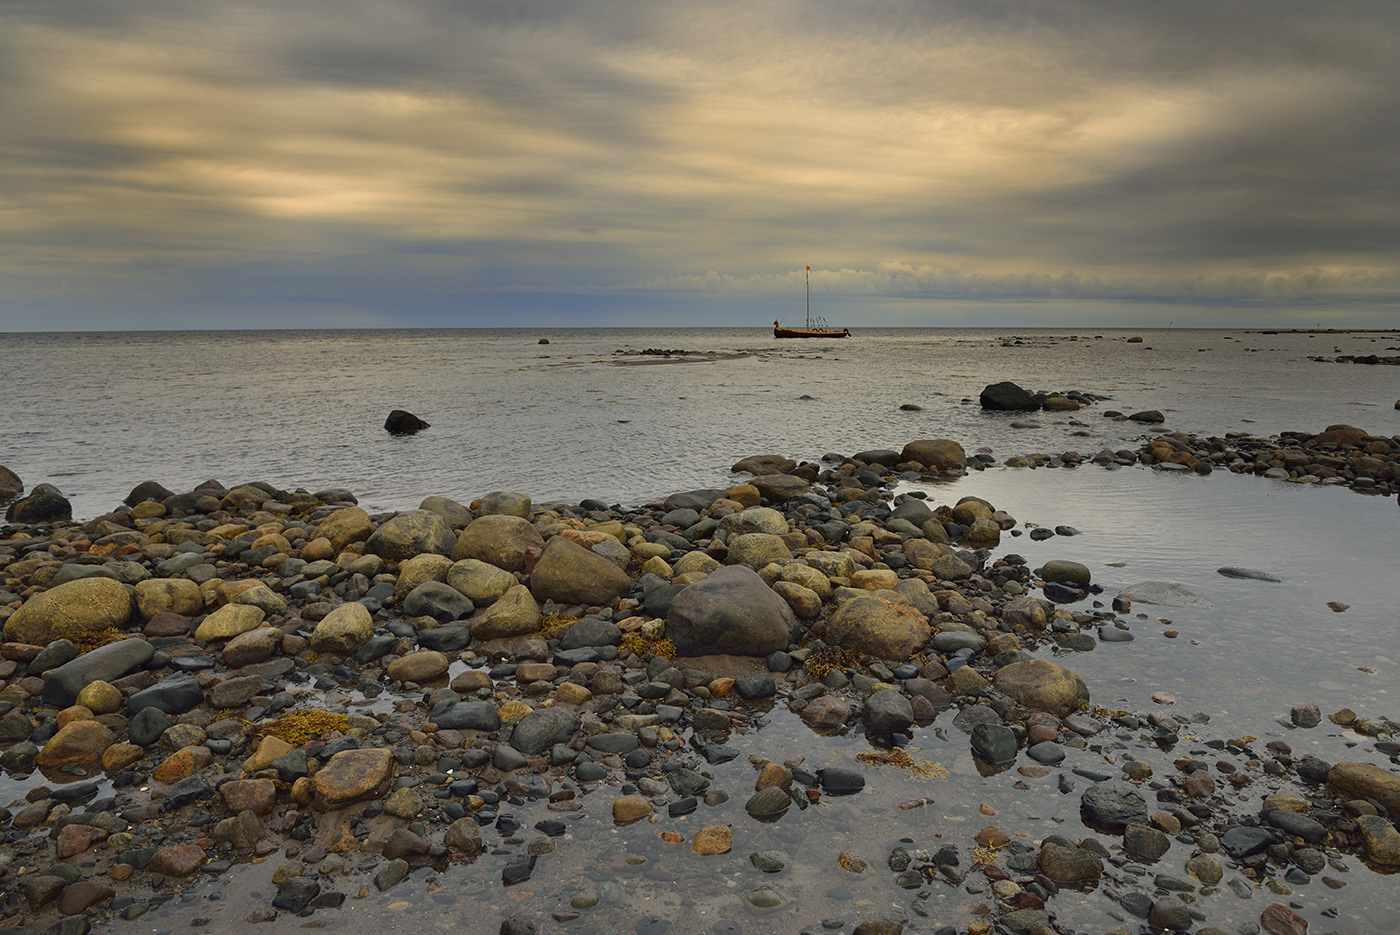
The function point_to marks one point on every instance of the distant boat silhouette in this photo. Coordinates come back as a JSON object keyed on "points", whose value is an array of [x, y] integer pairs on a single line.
{"points": [[819, 330]]}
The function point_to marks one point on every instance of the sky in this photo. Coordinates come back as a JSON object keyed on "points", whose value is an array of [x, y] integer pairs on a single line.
{"points": [[429, 163]]}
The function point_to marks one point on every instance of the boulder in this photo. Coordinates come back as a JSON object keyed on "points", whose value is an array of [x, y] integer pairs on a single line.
{"points": [[1113, 804], [424, 665], [756, 550], [148, 490], [504, 503], [105, 663], [344, 630], [1073, 865], [173, 695], [439, 601], [411, 533], [87, 605], [252, 647], [44, 504], [498, 540], [453, 513], [484, 584], [229, 621], [756, 519], [539, 730], [75, 752], [778, 487], [168, 596], [1042, 685], [1343, 436], [1365, 780], [10, 484], [514, 614], [730, 611], [1163, 594], [877, 627], [419, 570], [887, 712], [567, 573], [352, 776], [1008, 397], [402, 422], [1066, 572], [938, 454], [1148, 417], [344, 526], [764, 465]]}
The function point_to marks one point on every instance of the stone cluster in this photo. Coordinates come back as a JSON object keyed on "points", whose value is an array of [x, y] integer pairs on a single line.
{"points": [[257, 671]]}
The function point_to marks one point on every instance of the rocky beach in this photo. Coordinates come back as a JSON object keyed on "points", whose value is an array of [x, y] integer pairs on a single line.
{"points": [[245, 704]]}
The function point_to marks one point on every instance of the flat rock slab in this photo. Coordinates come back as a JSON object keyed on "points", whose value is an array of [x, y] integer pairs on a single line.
{"points": [[1164, 594], [353, 776]]}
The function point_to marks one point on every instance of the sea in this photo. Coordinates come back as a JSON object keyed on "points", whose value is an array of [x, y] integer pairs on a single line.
{"points": [[631, 415]]}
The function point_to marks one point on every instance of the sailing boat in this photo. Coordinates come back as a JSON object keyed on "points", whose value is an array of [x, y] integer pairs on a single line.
{"points": [[819, 330]]}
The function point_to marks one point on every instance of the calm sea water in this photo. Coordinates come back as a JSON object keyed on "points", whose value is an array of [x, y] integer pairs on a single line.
{"points": [[95, 414]]}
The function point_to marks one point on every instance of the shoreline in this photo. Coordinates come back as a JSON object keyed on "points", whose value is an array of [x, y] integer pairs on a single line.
{"points": [[878, 617]]}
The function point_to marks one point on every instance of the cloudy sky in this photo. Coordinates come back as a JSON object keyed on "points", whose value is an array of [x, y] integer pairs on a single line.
{"points": [[182, 164]]}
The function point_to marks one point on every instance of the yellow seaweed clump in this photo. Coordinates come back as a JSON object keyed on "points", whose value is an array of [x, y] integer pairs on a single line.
{"points": [[300, 727], [87, 640], [830, 659], [647, 650], [899, 757], [554, 621]]}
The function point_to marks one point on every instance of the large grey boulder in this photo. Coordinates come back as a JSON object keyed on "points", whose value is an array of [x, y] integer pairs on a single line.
{"points": [[1113, 804], [539, 730], [730, 611]]}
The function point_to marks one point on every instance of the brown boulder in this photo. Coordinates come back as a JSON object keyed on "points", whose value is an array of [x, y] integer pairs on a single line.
{"points": [[1043, 686], [939, 454], [567, 573], [498, 539], [352, 776]]}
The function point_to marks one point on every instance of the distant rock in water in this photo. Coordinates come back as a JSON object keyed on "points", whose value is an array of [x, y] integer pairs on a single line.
{"points": [[12, 486], [403, 423], [543, 341], [44, 503], [1008, 397], [1230, 571]]}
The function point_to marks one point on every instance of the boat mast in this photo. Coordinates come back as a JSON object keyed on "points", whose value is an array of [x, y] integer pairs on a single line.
{"points": [[809, 298]]}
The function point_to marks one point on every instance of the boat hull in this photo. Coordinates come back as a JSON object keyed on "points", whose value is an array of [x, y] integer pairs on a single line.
{"points": [[810, 333]]}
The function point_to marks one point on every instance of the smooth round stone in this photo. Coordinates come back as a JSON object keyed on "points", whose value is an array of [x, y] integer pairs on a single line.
{"points": [[1047, 752], [765, 899], [767, 861], [1114, 635]]}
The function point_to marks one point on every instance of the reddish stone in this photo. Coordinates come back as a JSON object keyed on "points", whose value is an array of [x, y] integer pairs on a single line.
{"points": [[1199, 785], [78, 897], [1278, 919], [995, 872], [177, 861], [166, 623], [74, 839]]}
